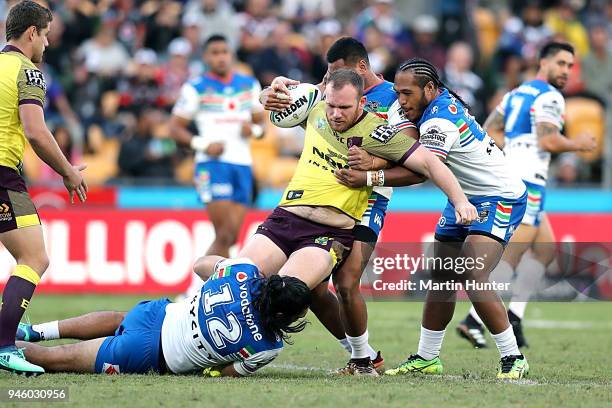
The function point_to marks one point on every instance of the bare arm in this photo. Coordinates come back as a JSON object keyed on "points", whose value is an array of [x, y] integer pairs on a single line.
{"points": [[494, 126], [551, 140], [425, 162], [45, 146], [178, 130], [204, 267]]}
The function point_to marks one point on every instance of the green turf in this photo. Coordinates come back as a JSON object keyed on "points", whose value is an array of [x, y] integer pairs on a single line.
{"points": [[569, 367]]}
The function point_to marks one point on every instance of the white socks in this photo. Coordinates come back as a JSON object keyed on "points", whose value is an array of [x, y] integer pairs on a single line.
{"points": [[474, 314], [360, 346], [345, 345], [48, 331], [430, 343], [506, 343], [529, 273]]}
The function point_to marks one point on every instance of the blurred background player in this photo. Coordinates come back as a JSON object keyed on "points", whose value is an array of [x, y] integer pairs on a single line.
{"points": [[225, 107], [22, 97], [234, 325], [381, 99], [527, 124], [454, 136]]}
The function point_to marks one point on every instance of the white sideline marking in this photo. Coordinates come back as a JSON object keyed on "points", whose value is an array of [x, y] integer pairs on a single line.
{"points": [[565, 324]]}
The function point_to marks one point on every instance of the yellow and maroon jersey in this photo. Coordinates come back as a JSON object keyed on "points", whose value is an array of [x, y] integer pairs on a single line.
{"points": [[20, 83]]}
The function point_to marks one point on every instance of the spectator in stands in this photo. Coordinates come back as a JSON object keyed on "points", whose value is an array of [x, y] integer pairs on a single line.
{"points": [[140, 89], [460, 78], [307, 12], [213, 17], [176, 71], [191, 32], [564, 21], [327, 32], [525, 35], [597, 66], [162, 26], [382, 14], [146, 152], [281, 58], [256, 24], [425, 30], [381, 59], [103, 55]]}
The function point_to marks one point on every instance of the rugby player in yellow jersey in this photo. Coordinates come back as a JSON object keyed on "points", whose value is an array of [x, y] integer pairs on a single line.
{"points": [[310, 233], [22, 95]]}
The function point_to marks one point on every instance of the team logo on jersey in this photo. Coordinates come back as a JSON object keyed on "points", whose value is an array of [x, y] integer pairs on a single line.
{"points": [[35, 77], [111, 369], [372, 106], [322, 241], [486, 204], [442, 221], [384, 133], [321, 123], [241, 277], [452, 109]]}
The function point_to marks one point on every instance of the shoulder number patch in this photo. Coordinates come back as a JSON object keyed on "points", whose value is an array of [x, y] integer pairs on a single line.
{"points": [[35, 78], [384, 133]]}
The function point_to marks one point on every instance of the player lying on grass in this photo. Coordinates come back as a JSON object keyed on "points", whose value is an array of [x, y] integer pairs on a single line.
{"points": [[233, 326]]}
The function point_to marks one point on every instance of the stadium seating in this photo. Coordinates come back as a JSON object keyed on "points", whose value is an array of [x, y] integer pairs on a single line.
{"points": [[585, 115]]}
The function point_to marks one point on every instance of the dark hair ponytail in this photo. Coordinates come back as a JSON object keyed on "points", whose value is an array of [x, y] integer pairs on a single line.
{"points": [[425, 71], [281, 300]]}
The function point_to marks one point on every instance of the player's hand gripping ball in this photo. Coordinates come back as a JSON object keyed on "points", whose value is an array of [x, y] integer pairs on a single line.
{"points": [[304, 97]]}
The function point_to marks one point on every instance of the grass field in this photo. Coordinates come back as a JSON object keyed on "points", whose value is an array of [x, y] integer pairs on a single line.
{"points": [[570, 358]]}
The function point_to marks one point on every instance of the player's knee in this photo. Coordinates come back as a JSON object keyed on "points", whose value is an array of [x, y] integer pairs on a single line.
{"points": [[347, 287], [39, 262]]}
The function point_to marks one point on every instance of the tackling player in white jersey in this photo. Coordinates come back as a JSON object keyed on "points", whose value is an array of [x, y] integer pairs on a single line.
{"points": [[225, 108], [527, 124], [448, 130], [234, 325]]}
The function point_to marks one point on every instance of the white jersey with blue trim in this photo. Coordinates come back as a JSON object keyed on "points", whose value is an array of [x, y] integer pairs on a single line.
{"points": [[381, 99], [451, 133], [219, 108], [533, 102], [218, 325]]}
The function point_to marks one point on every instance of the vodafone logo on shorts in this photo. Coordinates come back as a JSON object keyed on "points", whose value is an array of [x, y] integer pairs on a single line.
{"points": [[241, 277]]}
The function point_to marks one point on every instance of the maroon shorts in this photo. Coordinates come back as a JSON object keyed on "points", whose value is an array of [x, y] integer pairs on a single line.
{"points": [[290, 232], [16, 210]]}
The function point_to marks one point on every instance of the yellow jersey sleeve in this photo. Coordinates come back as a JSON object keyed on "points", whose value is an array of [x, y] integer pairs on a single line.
{"points": [[31, 85], [389, 142]]}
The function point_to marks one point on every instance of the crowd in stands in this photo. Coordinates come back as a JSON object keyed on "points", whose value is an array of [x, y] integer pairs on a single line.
{"points": [[114, 68]]}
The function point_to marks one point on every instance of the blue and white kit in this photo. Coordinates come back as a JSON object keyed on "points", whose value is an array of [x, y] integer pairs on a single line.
{"points": [[523, 108], [219, 108], [452, 134], [215, 327]]}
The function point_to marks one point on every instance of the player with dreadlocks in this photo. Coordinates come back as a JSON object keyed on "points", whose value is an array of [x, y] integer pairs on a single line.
{"points": [[451, 133]]}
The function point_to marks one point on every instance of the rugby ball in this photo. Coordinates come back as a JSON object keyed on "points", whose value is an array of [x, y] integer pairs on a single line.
{"points": [[304, 97]]}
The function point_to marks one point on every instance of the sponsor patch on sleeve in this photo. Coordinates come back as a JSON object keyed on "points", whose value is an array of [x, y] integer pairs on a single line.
{"points": [[35, 78], [384, 133]]}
